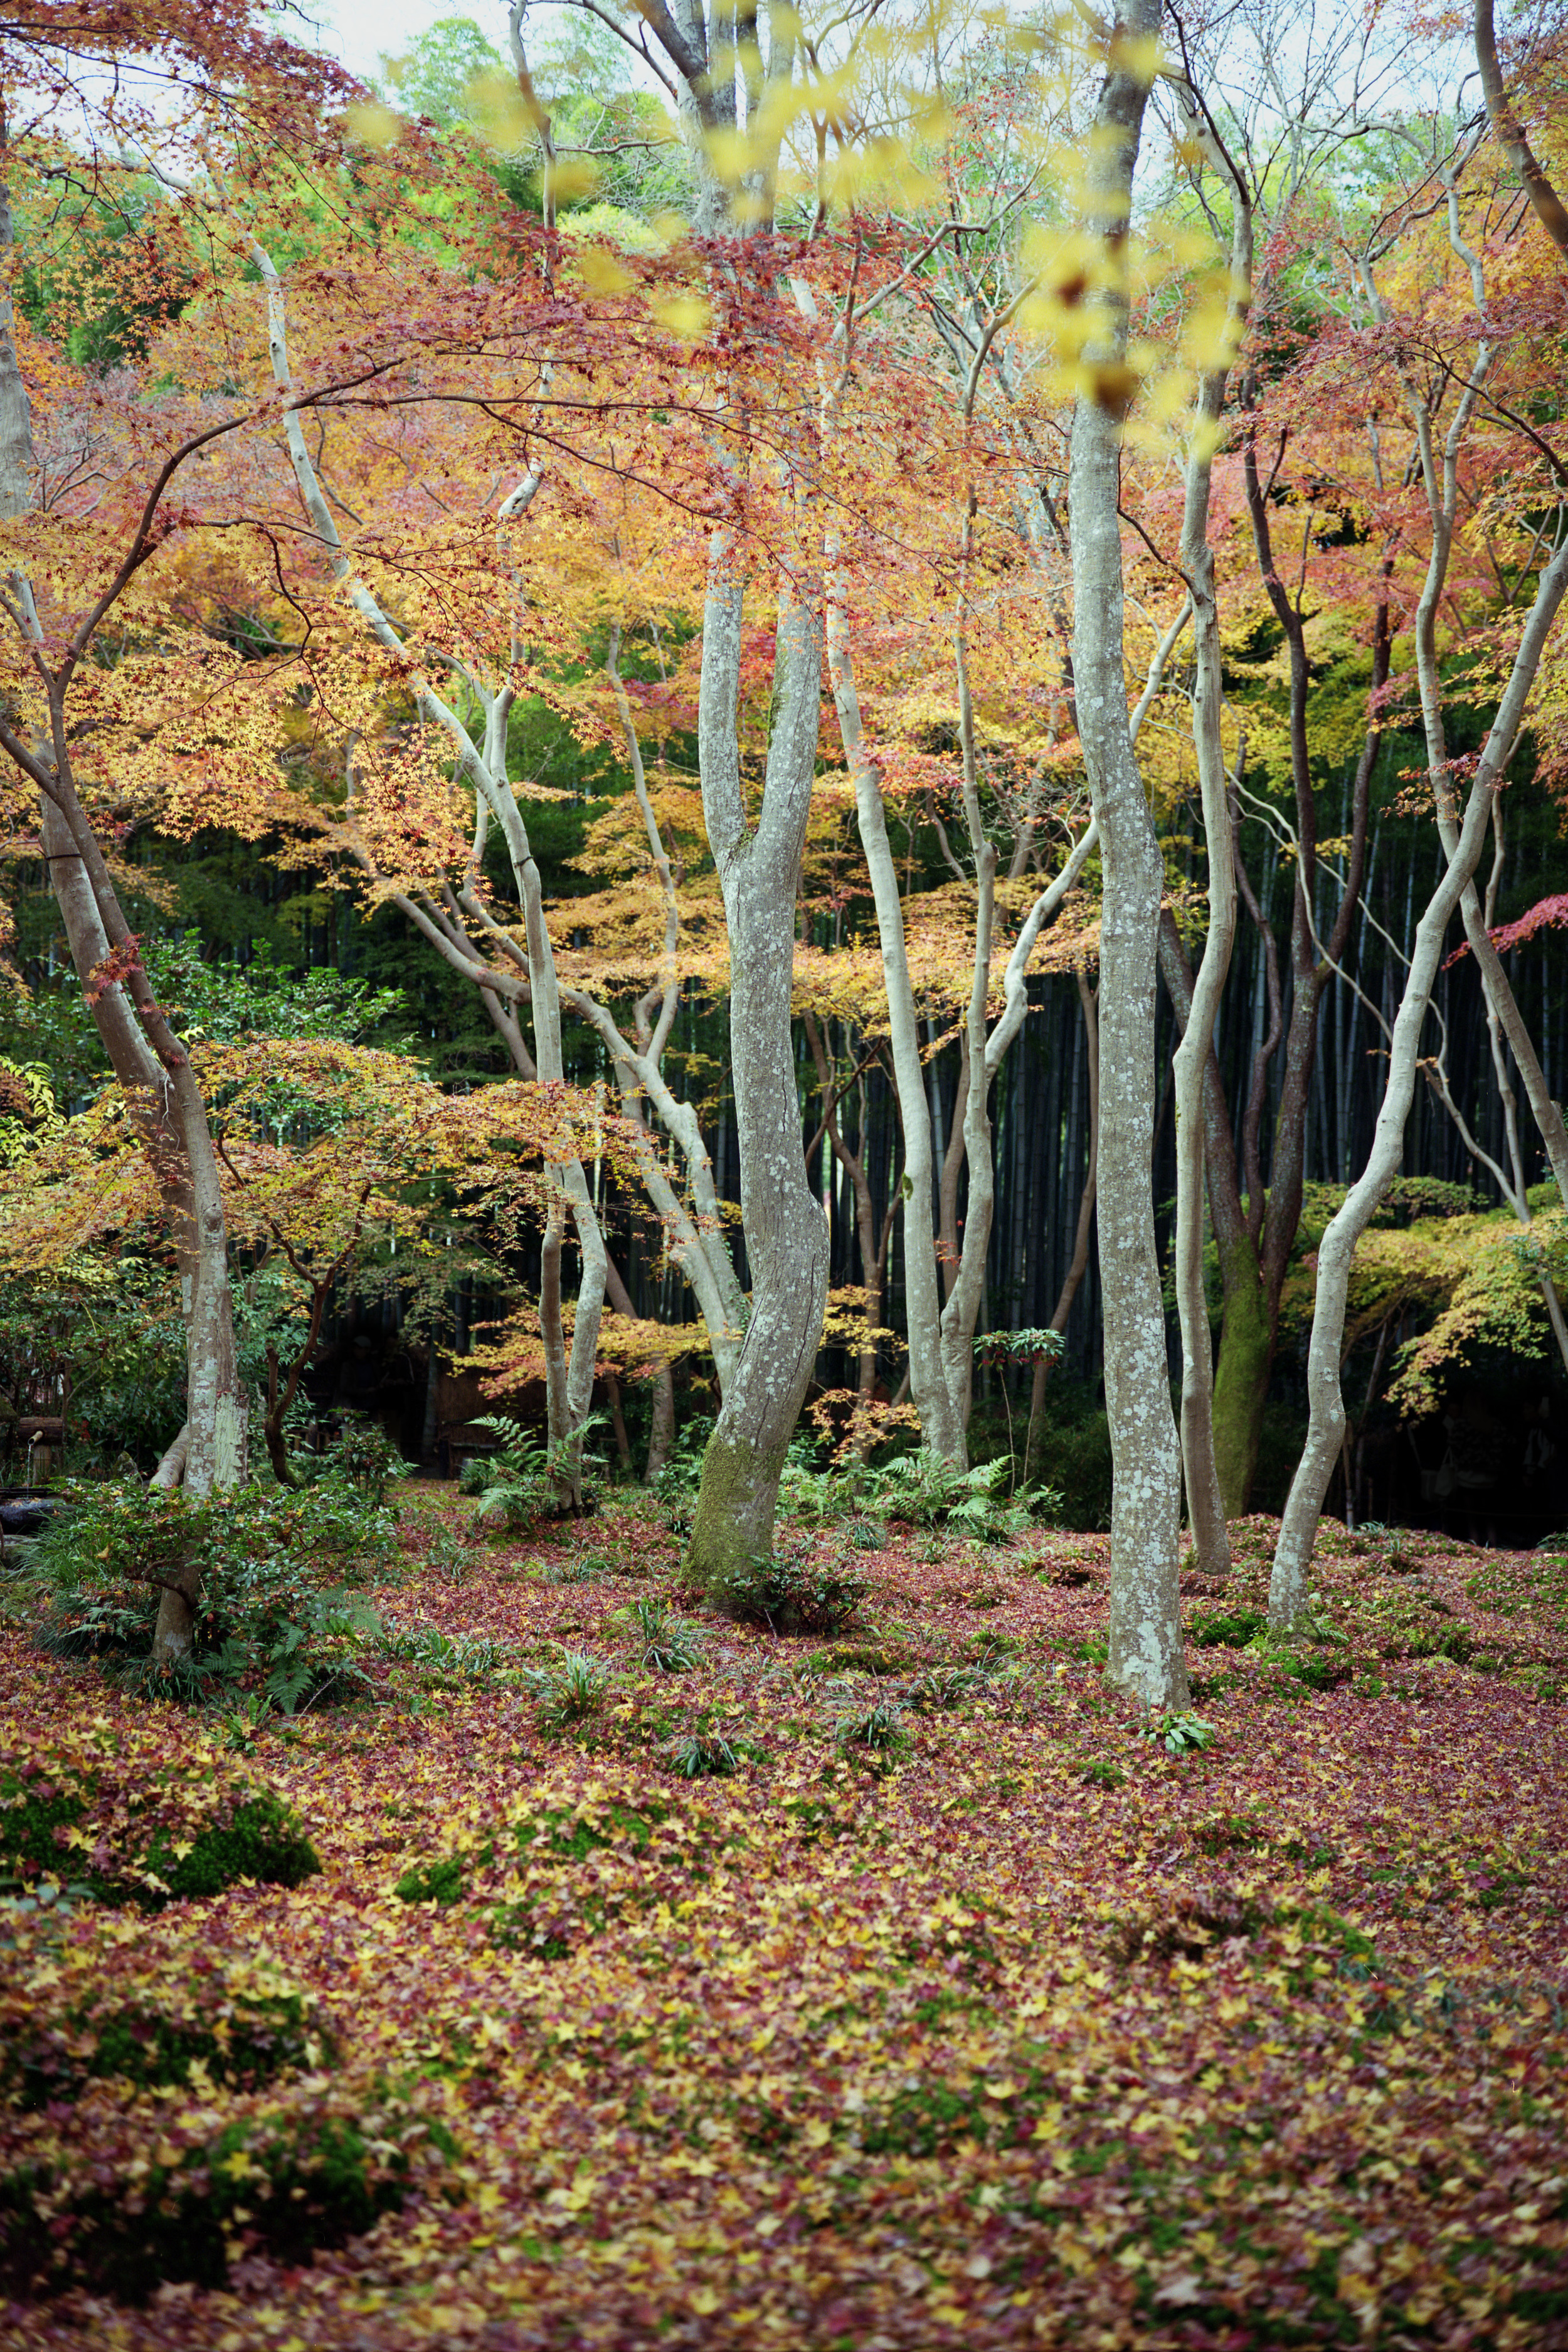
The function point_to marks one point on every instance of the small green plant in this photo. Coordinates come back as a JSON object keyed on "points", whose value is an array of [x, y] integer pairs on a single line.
{"points": [[879, 1729], [569, 1691], [923, 1489], [704, 1755], [1179, 1735], [941, 1689], [1103, 1772], [669, 1644], [365, 1458], [457, 1658], [514, 1483], [449, 1556], [794, 1595]]}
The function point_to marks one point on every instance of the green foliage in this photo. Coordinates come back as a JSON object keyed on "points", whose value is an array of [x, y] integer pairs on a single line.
{"points": [[1232, 1629], [523, 1480], [110, 1335], [704, 1755], [1179, 1735], [446, 1657], [266, 997], [365, 1458], [449, 1556], [666, 1643], [923, 1489], [878, 1728], [794, 1595], [28, 1111], [570, 1690], [269, 1620]]}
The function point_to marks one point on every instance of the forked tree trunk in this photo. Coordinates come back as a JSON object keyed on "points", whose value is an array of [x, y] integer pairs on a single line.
{"points": [[1145, 1656], [1326, 1429], [165, 1102], [169, 1116], [785, 1232]]}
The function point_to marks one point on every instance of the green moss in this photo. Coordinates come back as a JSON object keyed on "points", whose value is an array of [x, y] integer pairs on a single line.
{"points": [[1241, 1378], [48, 1829], [1231, 1630], [252, 2039], [292, 2183], [432, 1881], [265, 1840]]}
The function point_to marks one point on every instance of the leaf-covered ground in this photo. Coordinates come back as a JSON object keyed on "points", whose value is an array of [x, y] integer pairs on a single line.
{"points": [[959, 2012]]}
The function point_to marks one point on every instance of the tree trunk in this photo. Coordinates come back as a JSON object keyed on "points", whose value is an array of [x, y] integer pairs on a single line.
{"points": [[942, 1426], [1146, 1656], [1325, 1435], [661, 1426], [1206, 1502], [169, 1116], [1079, 1265], [785, 1233]]}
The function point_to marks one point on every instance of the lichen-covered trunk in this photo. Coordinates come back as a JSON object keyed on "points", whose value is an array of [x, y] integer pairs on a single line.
{"points": [[785, 1233], [1146, 1656]]}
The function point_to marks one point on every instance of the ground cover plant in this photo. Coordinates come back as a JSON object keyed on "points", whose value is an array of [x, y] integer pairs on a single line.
{"points": [[669, 1978]]}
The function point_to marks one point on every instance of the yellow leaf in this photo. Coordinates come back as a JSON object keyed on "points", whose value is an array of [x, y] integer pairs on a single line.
{"points": [[373, 125], [683, 314], [601, 272]]}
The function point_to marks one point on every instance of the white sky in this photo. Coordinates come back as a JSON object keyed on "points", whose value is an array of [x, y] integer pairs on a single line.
{"points": [[358, 31]]}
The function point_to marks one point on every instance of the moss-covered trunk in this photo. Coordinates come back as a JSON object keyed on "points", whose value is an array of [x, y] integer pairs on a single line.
{"points": [[1241, 1378]]}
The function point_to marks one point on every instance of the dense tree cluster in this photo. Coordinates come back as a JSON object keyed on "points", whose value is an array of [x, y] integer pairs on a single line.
{"points": [[901, 708]]}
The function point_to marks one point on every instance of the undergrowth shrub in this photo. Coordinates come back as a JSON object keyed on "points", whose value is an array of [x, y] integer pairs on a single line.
{"points": [[570, 1690], [522, 1481], [279, 1614], [794, 1595], [365, 1458], [926, 1491], [666, 1643]]}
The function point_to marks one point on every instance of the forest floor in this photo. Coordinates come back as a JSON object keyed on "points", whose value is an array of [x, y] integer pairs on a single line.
{"points": [[960, 2013]]}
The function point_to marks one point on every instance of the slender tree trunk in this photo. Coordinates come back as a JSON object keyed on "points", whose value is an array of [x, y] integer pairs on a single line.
{"points": [[1146, 1656], [1549, 207], [1205, 1501], [785, 1233], [1325, 1433], [942, 1426], [170, 1117], [1078, 1265], [661, 1425]]}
